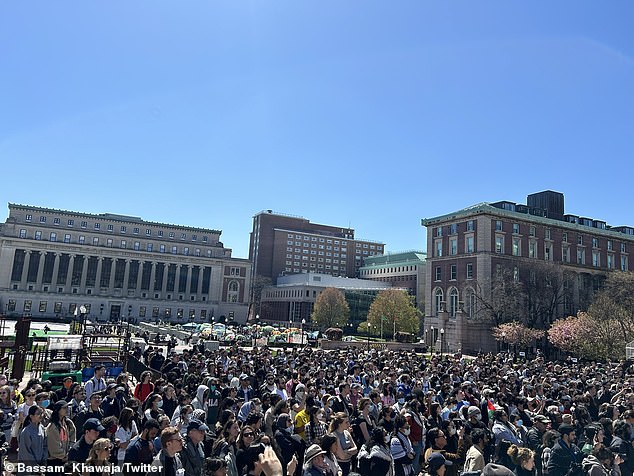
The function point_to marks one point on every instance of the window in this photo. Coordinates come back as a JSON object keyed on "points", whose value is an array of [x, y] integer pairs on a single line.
{"points": [[453, 246], [160, 233], [438, 248], [547, 252], [95, 241], [454, 272], [595, 243], [22, 233], [438, 301], [531, 231], [547, 234], [610, 261], [29, 217], [580, 239], [109, 242], [595, 259], [516, 247], [469, 244], [42, 219], [110, 227], [186, 251], [53, 236], [453, 228], [148, 232], [71, 222], [516, 228], [149, 247], [84, 224], [622, 247], [470, 225], [565, 254], [564, 237], [174, 250], [469, 270], [499, 244], [162, 249], [609, 245], [438, 273], [28, 305], [183, 236], [123, 244], [581, 256], [38, 235], [66, 238], [171, 234], [498, 225], [453, 302], [532, 249], [624, 263], [123, 229], [439, 231], [97, 226], [137, 245], [43, 306]]}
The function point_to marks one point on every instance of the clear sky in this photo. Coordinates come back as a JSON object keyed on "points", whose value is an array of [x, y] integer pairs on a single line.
{"points": [[370, 114]]}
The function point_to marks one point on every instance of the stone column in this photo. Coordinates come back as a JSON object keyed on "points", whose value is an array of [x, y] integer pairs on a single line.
{"points": [[40, 268], [166, 267], [188, 289], [177, 279], [138, 278], [113, 264], [126, 274], [69, 274], [55, 270], [84, 275], [199, 291], [152, 277], [25, 268], [99, 270]]}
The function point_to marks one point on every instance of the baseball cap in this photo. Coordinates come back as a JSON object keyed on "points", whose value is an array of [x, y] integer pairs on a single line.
{"points": [[436, 460], [197, 425], [93, 424], [542, 419]]}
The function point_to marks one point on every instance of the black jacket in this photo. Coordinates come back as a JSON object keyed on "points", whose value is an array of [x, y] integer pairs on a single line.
{"points": [[565, 460]]}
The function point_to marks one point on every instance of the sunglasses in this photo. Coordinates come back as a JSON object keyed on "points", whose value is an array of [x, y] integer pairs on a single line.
{"points": [[248, 435], [30, 394]]}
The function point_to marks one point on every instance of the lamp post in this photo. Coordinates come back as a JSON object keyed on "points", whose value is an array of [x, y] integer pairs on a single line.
{"points": [[382, 319], [442, 337], [368, 336], [432, 341], [302, 329], [503, 341]]}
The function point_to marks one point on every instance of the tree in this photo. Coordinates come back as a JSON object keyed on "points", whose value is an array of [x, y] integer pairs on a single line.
{"points": [[397, 311], [331, 309], [515, 333], [574, 334], [258, 284], [505, 301]]}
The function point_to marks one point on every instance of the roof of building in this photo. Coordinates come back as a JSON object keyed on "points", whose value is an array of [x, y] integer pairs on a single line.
{"points": [[395, 258], [486, 208], [328, 281], [112, 217]]}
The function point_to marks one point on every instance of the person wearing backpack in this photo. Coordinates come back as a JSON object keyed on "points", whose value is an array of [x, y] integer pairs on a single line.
{"points": [[375, 457], [362, 424], [401, 448]]}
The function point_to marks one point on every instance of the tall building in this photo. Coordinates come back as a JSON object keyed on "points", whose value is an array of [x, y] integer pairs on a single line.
{"points": [[474, 252], [281, 245], [404, 270], [52, 262]]}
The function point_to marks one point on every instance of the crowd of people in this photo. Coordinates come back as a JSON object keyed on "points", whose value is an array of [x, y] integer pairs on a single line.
{"points": [[309, 412]]}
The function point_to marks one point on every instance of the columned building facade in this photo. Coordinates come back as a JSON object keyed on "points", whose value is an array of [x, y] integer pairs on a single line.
{"points": [[53, 262]]}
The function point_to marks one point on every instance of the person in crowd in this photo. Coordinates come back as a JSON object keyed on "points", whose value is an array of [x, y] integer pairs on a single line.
{"points": [[375, 457], [126, 431], [566, 457], [8, 412], [225, 446], [330, 444], [141, 450], [621, 444], [523, 459], [314, 463], [602, 462], [61, 434], [152, 407], [98, 461], [474, 460], [32, 443], [401, 448], [93, 411], [315, 428], [437, 464], [168, 460], [145, 386], [96, 383], [246, 438], [290, 445], [340, 426], [81, 449]]}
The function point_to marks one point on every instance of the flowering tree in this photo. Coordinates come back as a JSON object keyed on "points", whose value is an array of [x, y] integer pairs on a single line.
{"points": [[572, 333], [515, 333]]}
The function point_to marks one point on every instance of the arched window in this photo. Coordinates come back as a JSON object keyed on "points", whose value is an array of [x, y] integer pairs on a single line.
{"points": [[438, 300], [453, 302], [234, 291]]}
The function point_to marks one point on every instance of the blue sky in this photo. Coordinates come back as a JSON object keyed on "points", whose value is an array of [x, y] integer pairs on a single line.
{"points": [[365, 114]]}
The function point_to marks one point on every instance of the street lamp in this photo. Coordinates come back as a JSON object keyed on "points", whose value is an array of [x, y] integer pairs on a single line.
{"points": [[442, 336], [303, 322], [503, 341], [368, 336], [432, 341]]}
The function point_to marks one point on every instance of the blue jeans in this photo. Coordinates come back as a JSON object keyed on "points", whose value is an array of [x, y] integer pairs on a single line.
{"points": [[418, 449]]}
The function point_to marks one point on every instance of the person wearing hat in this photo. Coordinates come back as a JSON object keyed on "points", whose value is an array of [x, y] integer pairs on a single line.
{"points": [[534, 439], [93, 411], [492, 469], [437, 464], [246, 391], [314, 464], [193, 454], [79, 452], [109, 403], [61, 434], [565, 458]]}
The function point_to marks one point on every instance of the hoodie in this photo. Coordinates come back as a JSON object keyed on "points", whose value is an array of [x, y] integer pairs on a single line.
{"points": [[378, 461], [593, 467], [199, 403]]}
